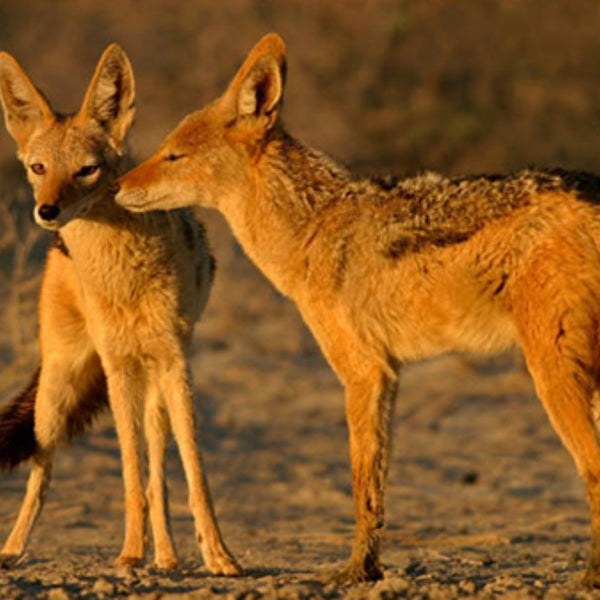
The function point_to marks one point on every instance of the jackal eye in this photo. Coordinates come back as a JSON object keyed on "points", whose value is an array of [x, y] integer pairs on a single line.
{"points": [[173, 156], [87, 170], [38, 168]]}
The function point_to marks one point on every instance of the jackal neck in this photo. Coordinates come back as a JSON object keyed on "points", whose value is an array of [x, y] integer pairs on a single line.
{"points": [[300, 180], [291, 185]]}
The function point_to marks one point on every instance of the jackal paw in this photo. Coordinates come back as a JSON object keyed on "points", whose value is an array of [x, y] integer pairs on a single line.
{"points": [[356, 573], [222, 563], [166, 563], [8, 561], [128, 562]]}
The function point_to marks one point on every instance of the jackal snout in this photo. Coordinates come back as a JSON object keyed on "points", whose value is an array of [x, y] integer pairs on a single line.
{"points": [[51, 200], [48, 212], [56, 205], [134, 200]]}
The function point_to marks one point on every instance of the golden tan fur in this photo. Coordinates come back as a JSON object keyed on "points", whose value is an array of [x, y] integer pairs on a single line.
{"points": [[390, 271], [119, 299]]}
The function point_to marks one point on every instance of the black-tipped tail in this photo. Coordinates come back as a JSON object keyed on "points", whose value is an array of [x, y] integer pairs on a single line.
{"points": [[17, 437], [17, 440]]}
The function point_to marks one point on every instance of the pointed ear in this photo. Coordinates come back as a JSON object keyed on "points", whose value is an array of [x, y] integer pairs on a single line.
{"points": [[25, 108], [110, 97], [256, 91]]}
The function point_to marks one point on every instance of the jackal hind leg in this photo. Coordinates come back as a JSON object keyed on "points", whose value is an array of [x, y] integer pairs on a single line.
{"points": [[62, 381], [563, 370], [176, 390], [156, 423], [126, 391]]}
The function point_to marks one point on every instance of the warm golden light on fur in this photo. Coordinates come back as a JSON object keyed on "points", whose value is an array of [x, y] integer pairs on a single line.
{"points": [[385, 272], [119, 300]]}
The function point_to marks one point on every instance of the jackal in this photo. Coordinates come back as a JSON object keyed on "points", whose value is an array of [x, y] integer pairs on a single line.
{"points": [[390, 271], [118, 303]]}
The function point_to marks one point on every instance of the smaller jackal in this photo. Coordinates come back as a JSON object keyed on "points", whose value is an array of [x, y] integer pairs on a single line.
{"points": [[386, 272], [118, 303]]}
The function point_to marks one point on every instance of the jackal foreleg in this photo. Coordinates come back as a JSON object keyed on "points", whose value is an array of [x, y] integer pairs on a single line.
{"points": [[156, 423], [125, 387], [370, 378], [176, 390], [369, 407]]}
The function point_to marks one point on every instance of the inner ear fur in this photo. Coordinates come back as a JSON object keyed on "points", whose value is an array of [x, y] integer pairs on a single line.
{"points": [[25, 108], [262, 89], [257, 89], [110, 97]]}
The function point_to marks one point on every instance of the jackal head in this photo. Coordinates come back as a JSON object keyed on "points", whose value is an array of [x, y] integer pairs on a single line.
{"points": [[70, 161], [210, 155]]}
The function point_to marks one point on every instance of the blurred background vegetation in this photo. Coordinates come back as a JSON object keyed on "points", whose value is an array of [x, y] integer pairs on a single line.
{"points": [[400, 86]]}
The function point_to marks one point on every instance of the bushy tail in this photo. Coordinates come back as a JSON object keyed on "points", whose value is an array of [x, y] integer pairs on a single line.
{"points": [[17, 441], [17, 438]]}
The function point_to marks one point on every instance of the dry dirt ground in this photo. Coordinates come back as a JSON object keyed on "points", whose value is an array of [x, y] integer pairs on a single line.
{"points": [[482, 499]]}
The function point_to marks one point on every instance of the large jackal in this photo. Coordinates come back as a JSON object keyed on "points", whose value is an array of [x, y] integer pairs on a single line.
{"points": [[119, 300], [386, 272]]}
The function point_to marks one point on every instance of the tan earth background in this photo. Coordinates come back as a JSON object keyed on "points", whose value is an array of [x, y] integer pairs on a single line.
{"points": [[482, 499]]}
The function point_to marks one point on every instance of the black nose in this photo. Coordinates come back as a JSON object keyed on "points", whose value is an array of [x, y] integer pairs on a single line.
{"points": [[48, 212]]}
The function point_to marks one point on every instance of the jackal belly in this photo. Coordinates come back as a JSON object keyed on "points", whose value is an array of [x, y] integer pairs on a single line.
{"points": [[415, 315], [424, 330]]}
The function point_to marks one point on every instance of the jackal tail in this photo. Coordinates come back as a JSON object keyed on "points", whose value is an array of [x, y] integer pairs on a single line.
{"points": [[17, 437]]}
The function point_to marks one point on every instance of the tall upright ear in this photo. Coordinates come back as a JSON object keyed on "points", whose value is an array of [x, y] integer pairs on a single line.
{"points": [[110, 97], [256, 91], [25, 108]]}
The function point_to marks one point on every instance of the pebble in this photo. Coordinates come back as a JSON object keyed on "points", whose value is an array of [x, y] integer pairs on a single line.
{"points": [[295, 592], [103, 587], [438, 591], [555, 594], [58, 594], [502, 584], [390, 588], [467, 587]]}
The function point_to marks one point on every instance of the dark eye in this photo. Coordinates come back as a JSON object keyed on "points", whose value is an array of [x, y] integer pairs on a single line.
{"points": [[87, 171], [173, 157], [38, 168]]}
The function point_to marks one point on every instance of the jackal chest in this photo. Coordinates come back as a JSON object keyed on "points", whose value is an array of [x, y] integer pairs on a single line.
{"points": [[130, 310]]}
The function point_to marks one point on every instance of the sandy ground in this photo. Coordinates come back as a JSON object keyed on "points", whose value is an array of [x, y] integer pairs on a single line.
{"points": [[482, 500]]}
